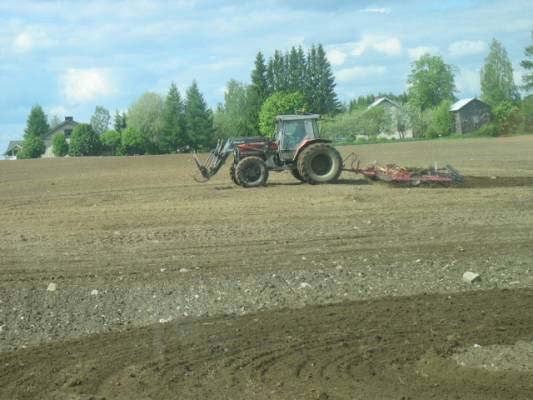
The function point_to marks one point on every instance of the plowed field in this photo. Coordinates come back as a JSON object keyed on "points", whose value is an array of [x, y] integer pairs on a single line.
{"points": [[124, 278]]}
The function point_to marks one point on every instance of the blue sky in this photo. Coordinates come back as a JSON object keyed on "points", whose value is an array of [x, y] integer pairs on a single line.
{"points": [[70, 56]]}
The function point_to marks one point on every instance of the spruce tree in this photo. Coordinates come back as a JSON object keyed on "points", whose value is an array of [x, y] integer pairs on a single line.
{"points": [[198, 119], [258, 91], [174, 135], [497, 84], [259, 78], [326, 101]]}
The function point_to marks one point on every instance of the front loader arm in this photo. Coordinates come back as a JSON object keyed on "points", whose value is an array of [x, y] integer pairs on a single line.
{"points": [[215, 160]]}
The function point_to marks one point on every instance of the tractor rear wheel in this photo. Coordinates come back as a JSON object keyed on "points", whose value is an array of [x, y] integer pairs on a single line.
{"points": [[319, 163], [251, 172], [297, 175]]}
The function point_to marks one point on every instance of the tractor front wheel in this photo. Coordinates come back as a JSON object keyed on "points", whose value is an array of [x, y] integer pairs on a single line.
{"points": [[251, 172], [232, 174], [319, 163]]}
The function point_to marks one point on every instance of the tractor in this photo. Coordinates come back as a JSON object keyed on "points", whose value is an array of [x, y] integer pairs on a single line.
{"points": [[295, 147]]}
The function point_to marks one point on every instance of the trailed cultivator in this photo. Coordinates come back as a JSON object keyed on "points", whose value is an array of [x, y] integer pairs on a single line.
{"points": [[393, 173]]}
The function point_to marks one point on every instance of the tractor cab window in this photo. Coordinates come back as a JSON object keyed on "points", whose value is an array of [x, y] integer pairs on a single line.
{"points": [[294, 132]]}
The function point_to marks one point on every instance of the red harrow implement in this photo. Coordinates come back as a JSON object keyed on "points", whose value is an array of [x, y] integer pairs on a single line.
{"points": [[393, 173]]}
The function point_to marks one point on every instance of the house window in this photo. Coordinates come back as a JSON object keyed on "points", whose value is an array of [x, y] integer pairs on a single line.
{"points": [[68, 132], [476, 119]]}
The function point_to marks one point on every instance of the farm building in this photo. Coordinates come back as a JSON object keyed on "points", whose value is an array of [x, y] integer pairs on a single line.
{"points": [[65, 127], [393, 109], [13, 148], [470, 114]]}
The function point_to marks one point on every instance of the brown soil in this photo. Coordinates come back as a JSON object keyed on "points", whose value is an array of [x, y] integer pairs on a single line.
{"points": [[156, 246], [393, 348]]}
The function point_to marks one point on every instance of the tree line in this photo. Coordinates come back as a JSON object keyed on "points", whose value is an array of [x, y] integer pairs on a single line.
{"points": [[284, 84]]}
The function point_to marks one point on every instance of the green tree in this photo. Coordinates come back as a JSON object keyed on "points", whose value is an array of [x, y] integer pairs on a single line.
{"points": [[374, 121], [258, 92], [417, 122], [277, 73], [119, 122], [278, 104], [111, 141], [84, 141], [497, 84], [507, 117], [32, 147], [100, 120], [320, 92], [526, 109], [259, 78], [36, 127], [527, 64], [442, 122], [59, 145], [235, 117], [37, 124], [430, 82], [146, 117], [174, 122], [132, 142], [198, 119]]}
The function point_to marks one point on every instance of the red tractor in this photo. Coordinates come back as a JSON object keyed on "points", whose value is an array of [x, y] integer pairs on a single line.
{"points": [[296, 147]]}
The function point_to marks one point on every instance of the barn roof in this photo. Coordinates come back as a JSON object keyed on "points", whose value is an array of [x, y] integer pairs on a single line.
{"points": [[12, 145], [463, 102]]}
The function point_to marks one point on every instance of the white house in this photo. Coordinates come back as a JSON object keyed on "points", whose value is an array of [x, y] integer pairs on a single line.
{"points": [[66, 127], [13, 148], [393, 109]]}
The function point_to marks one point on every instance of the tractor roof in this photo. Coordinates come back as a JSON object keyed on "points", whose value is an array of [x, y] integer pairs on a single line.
{"points": [[297, 117]]}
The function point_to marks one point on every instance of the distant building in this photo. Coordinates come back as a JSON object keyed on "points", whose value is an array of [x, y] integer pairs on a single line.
{"points": [[393, 109], [470, 114], [66, 127], [13, 148]]}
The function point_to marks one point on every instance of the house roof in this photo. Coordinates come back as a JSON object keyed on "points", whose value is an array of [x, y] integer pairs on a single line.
{"points": [[463, 102], [61, 125], [12, 145], [381, 100]]}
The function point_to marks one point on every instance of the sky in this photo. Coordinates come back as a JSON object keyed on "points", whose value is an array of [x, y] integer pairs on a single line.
{"points": [[71, 56]]}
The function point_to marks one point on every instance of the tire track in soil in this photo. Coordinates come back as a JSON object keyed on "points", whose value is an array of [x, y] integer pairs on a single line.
{"points": [[387, 348]]}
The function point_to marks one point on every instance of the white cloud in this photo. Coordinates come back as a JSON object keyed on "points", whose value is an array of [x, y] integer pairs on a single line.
{"points": [[387, 45], [336, 57], [467, 81], [348, 75], [30, 39], [377, 10], [417, 52], [80, 85], [60, 111], [466, 47]]}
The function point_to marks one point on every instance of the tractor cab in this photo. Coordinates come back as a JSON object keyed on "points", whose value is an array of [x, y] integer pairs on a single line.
{"points": [[292, 131]]}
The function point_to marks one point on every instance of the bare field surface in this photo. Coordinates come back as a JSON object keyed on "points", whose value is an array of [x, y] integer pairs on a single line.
{"points": [[133, 242]]}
